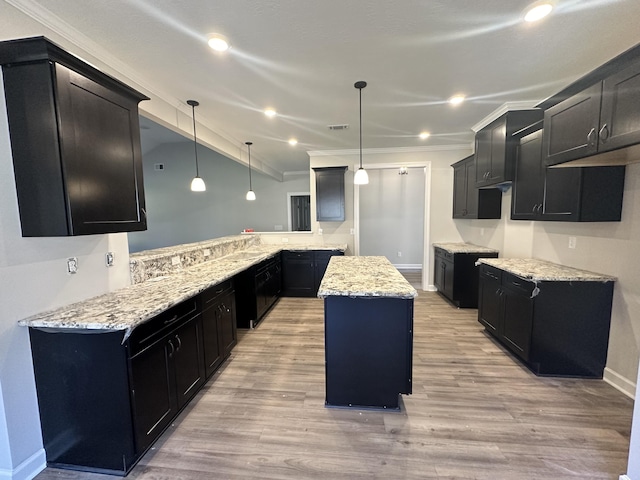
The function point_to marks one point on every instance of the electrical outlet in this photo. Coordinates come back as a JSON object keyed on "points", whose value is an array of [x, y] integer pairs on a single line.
{"points": [[285, 240], [319, 231], [206, 252], [399, 254], [175, 260], [572, 242], [277, 228], [352, 231], [482, 232], [72, 265], [109, 259]]}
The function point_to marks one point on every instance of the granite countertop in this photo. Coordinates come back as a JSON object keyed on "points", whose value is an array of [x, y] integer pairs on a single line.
{"points": [[541, 270], [126, 308], [464, 248], [364, 277]]}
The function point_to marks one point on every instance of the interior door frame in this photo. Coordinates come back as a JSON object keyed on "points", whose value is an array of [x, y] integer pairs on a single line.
{"points": [[426, 251], [295, 194]]}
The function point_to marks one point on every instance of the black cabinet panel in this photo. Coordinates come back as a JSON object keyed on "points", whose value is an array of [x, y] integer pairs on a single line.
{"points": [[456, 276], [558, 328], [330, 194], [496, 147], [75, 141], [257, 290], [470, 202], [620, 115], [574, 194], [302, 271]]}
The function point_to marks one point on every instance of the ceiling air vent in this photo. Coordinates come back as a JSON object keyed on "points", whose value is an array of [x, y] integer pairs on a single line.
{"points": [[343, 126]]}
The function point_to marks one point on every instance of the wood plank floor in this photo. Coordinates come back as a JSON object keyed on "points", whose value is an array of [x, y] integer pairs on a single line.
{"points": [[475, 413]]}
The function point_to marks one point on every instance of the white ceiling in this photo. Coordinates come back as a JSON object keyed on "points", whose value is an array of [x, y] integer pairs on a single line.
{"points": [[302, 57]]}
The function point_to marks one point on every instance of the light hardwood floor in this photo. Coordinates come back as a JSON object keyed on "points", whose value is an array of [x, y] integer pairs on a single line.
{"points": [[475, 413]]}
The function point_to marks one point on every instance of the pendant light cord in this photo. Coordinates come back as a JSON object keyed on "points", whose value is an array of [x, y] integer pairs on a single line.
{"points": [[360, 91], [248, 144], [195, 141]]}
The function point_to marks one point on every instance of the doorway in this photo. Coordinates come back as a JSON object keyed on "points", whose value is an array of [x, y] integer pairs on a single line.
{"points": [[299, 210], [391, 218]]}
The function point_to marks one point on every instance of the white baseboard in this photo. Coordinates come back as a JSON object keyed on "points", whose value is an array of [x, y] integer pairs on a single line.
{"points": [[624, 477], [408, 266], [430, 288], [27, 469], [619, 382]]}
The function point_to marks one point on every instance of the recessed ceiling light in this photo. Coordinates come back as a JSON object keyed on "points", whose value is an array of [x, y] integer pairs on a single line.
{"points": [[293, 141], [456, 99], [538, 11], [424, 135], [270, 112], [218, 42]]}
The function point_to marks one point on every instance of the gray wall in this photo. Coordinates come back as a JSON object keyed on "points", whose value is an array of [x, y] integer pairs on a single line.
{"points": [[392, 215], [177, 215]]}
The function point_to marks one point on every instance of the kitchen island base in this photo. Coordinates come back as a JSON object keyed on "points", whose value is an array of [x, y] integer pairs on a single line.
{"points": [[368, 351]]}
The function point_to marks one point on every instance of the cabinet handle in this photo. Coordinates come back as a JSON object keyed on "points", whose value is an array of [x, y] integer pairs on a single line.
{"points": [[604, 133], [591, 137], [179, 343], [516, 284], [173, 349], [172, 319]]}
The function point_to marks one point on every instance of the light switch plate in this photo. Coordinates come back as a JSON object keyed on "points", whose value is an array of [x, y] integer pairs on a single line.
{"points": [[175, 260], [109, 259], [72, 265]]}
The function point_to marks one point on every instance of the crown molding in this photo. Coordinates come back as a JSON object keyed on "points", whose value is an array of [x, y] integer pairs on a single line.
{"points": [[501, 110], [382, 151]]}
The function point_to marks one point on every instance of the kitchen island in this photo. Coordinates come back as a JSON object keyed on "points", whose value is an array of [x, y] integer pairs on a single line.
{"points": [[368, 316]]}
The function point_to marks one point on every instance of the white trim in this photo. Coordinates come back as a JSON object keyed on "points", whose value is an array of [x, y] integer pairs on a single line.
{"points": [[295, 173], [408, 266], [624, 477], [501, 110], [427, 228], [295, 194], [619, 382], [27, 469], [373, 151]]}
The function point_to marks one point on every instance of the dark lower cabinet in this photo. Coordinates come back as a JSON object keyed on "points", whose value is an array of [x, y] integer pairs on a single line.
{"points": [[218, 324], [257, 290], [456, 275], [302, 271], [104, 399], [557, 328], [368, 351]]}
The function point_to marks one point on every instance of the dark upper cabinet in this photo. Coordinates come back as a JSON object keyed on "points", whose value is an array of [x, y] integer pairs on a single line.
{"points": [[495, 147], [75, 140], [471, 202], [602, 117], [330, 194], [572, 194]]}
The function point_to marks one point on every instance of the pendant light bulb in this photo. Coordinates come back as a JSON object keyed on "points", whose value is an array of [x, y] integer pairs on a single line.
{"points": [[251, 195], [361, 177], [197, 184]]}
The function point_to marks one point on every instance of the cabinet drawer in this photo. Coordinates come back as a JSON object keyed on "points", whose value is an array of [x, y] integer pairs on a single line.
{"points": [[210, 295], [493, 273], [146, 334], [517, 284]]}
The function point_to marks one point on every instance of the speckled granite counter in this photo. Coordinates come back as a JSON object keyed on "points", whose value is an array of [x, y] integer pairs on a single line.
{"points": [[128, 307], [364, 277], [464, 248], [540, 270]]}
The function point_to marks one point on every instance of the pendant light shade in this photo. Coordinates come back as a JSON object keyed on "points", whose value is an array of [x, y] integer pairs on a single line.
{"points": [[251, 195], [197, 184], [361, 177]]}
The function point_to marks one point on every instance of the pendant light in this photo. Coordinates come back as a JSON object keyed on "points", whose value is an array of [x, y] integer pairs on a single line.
{"points": [[251, 195], [197, 184], [361, 177]]}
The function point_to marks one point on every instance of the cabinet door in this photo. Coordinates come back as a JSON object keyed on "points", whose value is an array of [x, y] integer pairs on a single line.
{"points": [[518, 322], [473, 196], [322, 259], [298, 274], [227, 324], [101, 156], [490, 301], [330, 194], [571, 127], [620, 115], [483, 156], [498, 152], [211, 334], [460, 194], [153, 392], [188, 360], [561, 194], [527, 193]]}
